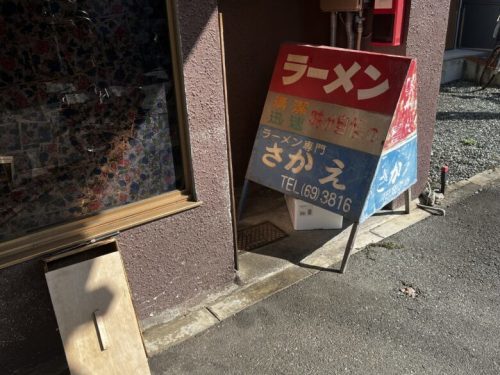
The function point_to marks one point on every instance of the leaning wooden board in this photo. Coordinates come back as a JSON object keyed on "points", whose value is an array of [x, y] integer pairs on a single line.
{"points": [[96, 317]]}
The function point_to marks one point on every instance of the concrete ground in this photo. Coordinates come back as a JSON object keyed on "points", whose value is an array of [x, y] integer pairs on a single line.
{"points": [[367, 321]]}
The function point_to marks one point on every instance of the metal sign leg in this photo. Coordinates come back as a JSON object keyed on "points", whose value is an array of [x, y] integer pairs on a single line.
{"points": [[407, 200], [349, 247], [243, 198]]}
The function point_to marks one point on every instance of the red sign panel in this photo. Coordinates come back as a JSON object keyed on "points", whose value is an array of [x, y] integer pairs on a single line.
{"points": [[355, 79], [404, 122]]}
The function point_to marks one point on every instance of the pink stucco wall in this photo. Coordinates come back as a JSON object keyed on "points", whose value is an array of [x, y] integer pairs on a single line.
{"points": [[174, 259]]}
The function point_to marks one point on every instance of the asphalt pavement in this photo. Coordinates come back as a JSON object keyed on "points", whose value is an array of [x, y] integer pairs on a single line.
{"points": [[424, 301]]}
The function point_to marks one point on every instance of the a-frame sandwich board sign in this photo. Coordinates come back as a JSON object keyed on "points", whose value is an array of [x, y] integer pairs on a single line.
{"points": [[338, 130]]}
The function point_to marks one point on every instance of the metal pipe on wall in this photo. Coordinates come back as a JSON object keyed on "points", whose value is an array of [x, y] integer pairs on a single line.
{"points": [[333, 29], [349, 30], [359, 29]]}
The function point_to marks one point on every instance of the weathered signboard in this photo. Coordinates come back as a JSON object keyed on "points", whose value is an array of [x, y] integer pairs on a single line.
{"points": [[338, 129]]}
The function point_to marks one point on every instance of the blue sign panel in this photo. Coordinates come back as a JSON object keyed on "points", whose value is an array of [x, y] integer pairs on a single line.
{"points": [[330, 176], [396, 172]]}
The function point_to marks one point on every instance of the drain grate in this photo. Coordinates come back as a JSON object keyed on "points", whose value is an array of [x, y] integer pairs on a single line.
{"points": [[259, 235]]}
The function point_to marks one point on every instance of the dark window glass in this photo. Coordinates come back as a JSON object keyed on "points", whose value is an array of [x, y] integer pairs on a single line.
{"points": [[88, 119]]}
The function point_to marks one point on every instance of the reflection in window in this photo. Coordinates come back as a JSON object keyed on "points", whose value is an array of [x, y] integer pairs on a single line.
{"points": [[87, 109]]}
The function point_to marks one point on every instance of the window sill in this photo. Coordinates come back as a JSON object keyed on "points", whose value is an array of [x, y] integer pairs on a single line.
{"points": [[100, 225]]}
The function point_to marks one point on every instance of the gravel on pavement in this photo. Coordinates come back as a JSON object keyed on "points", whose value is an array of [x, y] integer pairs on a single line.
{"points": [[467, 132]]}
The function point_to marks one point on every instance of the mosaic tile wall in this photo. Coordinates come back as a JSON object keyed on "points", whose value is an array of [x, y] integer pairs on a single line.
{"points": [[87, 109]]}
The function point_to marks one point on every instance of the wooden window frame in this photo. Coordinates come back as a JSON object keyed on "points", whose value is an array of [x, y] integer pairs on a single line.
{"points": [[111, 221]]}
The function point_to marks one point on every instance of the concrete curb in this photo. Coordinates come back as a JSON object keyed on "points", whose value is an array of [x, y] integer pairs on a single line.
{"points": [[283, 274]]}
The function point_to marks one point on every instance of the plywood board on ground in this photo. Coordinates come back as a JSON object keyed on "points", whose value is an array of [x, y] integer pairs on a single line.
{"points": [[96, 317]]}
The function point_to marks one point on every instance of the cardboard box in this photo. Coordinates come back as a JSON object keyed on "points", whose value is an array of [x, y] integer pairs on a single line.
{"points": [[306, 216]]}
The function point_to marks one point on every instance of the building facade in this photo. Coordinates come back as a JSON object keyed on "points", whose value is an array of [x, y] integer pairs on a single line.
{"points": [[115, 122]]}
